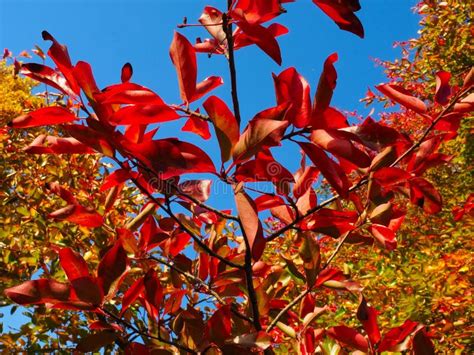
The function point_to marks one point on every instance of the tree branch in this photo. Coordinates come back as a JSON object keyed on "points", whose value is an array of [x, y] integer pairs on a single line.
{"points": [[146, 334], [197, 280], [196, 239], [191, 112], [170, 186], [365, 179], [233, 74], [286, 309]]}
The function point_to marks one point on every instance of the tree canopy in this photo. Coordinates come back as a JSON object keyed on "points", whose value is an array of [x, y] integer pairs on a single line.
{"points": [[109, 234]]}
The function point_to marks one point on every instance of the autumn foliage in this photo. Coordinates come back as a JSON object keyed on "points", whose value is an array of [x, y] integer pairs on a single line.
{"points": [[180, 275]]}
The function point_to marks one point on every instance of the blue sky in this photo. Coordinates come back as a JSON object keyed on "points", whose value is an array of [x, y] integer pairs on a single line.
{"points": [[109, 33]]}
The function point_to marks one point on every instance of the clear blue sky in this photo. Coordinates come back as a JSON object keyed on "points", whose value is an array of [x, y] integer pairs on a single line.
{"points": [[109, 33]]}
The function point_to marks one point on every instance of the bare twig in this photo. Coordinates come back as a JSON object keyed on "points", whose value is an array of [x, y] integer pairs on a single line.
{"points": [[190, 112]]}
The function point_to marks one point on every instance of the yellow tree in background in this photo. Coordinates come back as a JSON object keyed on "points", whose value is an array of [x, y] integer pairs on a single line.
{"points": [[26, 236]]}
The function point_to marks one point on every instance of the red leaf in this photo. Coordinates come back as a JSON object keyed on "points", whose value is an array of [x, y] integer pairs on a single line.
{"points": [[391, 176], [199, 189], [384, 235], [284, 213], [348, 336], [259, 11], [218, 327], [132, 293], [87, 290], [304, 181], [466, 104], [62, 192], [43, 117], [78, 214], [92, 138], [326, 86], [60, 56], [426, 150], [137, 348], [203, 268], [225, 125], [443, 89], [328, 167], [266, 202], [329, 119], [175, 245], [184, 59], [85, 78], [260, 133], [368, 317], [338, 143], [208, 84], [73, 264], [449, 123], [128, 93], [402, 97], [112, 265], [39, 292], [242, 40], [422, 344], [55, 145], [397, 335], [127, 72], [102, 325], [264, 168], [424, 194], [342, 13], [173, 304], [262, 37], [143, 114], [96, 341], [153, 289], [172, 157], [307, 201], [48, 76], [118, 177], [330, 222], [377, 136], [197, 125], [211, 18], [251, 224], [291, 87]]}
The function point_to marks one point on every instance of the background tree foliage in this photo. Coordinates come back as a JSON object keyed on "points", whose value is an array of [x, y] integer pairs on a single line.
{"points": [[428, 278], [26, 234], [425, 279]]}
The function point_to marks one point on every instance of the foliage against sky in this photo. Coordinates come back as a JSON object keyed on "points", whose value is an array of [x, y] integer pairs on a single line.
{"points": [[289, 269]]}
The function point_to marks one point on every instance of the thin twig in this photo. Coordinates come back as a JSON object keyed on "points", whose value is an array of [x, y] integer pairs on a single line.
{"points": [[146, 334], [196, 239], [197, 280], [359, 223], [233, 73], [286, 309], [170, 186], [191, 112]]}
